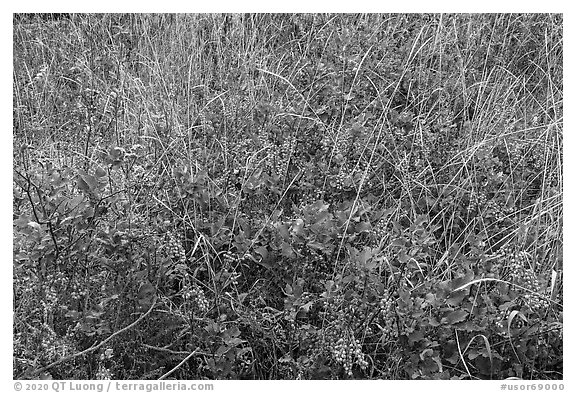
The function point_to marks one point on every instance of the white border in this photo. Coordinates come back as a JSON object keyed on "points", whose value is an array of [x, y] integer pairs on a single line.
{"points": [[293, 6]]}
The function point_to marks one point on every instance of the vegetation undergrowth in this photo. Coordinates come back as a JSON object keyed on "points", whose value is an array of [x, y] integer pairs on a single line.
{"points": [[288, 196]]}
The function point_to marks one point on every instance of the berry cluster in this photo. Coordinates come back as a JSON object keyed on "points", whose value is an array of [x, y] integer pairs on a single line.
{"points": [[355, 310], [533, 301], [278, 157], [48, 342], [271, 152], [286, 151], [496, 263], [232, 181], [104, 372], [229, 256], [175, 249], [347, 351], [379, 231], [55, 283], [77, 291], [318, 263], [51, 296], [326, 144], [342, 178], [477, 200], [306, 200], [539, 157], [492, 210], [502, 210], [331, 314], [387, 308], [205, 123], [506, 252], [501, 318], [344, 143], [53, 347], [515, 155], [198, 298], [526, 278]]}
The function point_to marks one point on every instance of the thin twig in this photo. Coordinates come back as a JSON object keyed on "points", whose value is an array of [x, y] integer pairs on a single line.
{"points": [[461, 354], [167, 350], [194, 352]]}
